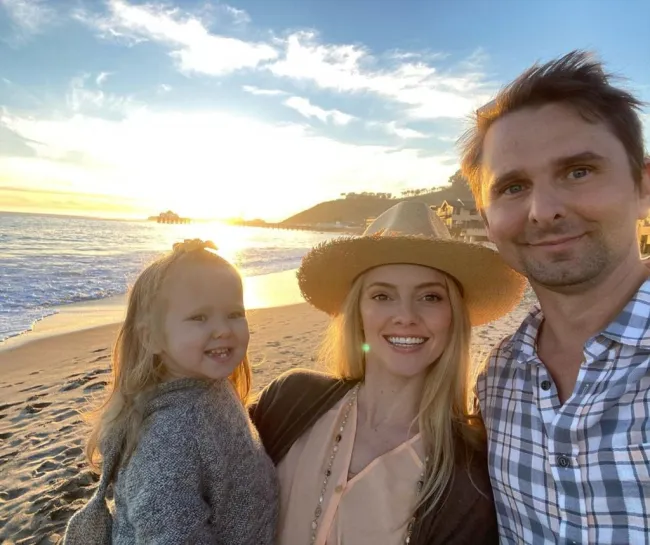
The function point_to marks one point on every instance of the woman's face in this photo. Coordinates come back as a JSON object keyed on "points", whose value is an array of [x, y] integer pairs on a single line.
{"points": [[406, 317]]}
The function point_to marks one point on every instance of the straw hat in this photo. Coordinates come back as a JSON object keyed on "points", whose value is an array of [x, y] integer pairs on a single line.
{"points": [[410, 233]]}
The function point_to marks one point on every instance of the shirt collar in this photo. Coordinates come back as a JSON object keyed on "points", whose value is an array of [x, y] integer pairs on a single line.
{"points": [[522, 346], [631, 327]]}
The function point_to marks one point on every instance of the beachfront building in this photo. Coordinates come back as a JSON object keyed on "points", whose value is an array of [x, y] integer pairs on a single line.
{"points": [[643, 230], [462, 219]]}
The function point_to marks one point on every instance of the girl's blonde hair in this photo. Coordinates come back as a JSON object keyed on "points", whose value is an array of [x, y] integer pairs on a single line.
{"points": [[137, 369], [446, 411]]}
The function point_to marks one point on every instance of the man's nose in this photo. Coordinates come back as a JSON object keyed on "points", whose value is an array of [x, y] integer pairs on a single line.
{"points": [[546, 204]]}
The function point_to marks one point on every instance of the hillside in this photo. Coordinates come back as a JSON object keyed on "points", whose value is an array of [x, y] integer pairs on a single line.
{"points": [[354, 211]]}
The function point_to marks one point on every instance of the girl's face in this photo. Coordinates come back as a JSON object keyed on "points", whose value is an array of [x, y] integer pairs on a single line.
{"points": [[406, 318], [205, 327]]}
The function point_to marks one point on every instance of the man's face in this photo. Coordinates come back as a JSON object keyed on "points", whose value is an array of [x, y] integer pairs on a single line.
{"points": [[560, 201]]}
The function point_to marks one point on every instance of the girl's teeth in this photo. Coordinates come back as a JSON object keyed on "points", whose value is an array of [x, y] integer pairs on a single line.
{"points": [[408, 341]]}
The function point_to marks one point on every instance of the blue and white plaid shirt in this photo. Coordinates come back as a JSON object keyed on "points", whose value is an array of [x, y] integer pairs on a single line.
{"points": [[577, 473]]}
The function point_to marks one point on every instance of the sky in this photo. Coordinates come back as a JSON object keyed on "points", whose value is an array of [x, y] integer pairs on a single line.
{"points": [[262, 108]]}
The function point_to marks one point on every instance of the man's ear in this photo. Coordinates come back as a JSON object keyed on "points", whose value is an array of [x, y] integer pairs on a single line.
{"points": [[644, 190]]}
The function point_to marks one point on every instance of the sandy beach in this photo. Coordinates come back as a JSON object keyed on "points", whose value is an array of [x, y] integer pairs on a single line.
{"points": [[50, 381]]}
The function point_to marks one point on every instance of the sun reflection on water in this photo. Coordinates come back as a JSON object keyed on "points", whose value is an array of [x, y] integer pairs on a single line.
{"points": [[230, 240]]}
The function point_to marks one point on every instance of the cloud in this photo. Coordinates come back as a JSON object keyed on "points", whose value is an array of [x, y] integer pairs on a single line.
{"points": [[81, 98], [414, 83], [238, 16], [401, 132], [164, 88], [305, 108], [23, 199], [101, 78], [419, 87], [12, 144], [263, 92], [218, 159], [193, 47], [29, 17]]}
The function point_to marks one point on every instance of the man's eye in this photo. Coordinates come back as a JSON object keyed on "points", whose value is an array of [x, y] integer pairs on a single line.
{"points": [[512, 189], [578, 173]]}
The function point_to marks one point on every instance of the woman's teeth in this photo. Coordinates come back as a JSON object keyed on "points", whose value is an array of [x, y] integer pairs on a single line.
{"points": [[406, 341]]}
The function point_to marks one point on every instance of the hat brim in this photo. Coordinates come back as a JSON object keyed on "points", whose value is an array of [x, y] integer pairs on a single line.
{"points": [[490, 288]]}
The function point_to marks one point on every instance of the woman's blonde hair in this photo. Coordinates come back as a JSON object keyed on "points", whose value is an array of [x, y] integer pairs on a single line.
{"points": [[137, 368], [446, 411]]}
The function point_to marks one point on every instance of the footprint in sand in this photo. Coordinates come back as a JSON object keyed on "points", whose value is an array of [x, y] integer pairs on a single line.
{"points": [[98, 350], [72, 452], [35, 408], [79, 486], [45, 453], [5, 406], [73, 385], [272, 343], [34, 388], [5, 435], [8, 457], [12, 493], [35, 397], [64, 429], [46, 466], [64, 414], [35, 373], [94, 386], [99, 358]]}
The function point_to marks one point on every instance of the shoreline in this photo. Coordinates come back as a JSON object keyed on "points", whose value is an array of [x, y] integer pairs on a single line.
{"points": [[49, 385], [264, 291]]}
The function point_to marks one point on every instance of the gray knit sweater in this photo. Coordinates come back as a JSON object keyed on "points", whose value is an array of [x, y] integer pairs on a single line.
{"points": [[199, 475]]}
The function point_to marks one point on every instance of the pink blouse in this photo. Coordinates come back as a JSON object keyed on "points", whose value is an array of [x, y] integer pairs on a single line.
{"points": [[372, 508]]}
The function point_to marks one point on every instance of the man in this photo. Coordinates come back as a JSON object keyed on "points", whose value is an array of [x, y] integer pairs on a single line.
{"points": [[556, 164]]}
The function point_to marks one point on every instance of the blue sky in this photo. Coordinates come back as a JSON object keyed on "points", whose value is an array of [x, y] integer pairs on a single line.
{"points": [[265, 107]]}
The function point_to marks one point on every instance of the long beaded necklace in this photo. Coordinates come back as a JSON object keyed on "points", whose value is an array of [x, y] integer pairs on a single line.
{"points": [[328, 472]]}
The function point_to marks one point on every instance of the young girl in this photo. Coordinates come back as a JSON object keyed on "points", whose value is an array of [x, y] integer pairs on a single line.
{"points": [[185, 463]]}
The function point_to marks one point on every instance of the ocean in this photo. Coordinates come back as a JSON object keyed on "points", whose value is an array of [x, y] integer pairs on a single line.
{"points": [[48, 261]]}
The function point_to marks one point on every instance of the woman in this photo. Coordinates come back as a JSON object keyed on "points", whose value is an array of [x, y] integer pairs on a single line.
{"points": [[385, 448]]}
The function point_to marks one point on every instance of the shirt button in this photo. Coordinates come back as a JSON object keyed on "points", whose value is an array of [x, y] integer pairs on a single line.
{"points": [[339, 489], [563, 461], [546, 385]]}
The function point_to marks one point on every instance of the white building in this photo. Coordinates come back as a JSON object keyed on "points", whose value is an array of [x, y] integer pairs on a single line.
{"points": [[463, 220]]}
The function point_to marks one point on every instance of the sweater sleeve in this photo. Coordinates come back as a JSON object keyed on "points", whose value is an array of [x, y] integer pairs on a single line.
{"points": [[166, 504], [238, 472]]}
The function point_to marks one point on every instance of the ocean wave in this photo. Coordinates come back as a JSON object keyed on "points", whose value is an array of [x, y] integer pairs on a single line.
{"points": [[48, 262]]}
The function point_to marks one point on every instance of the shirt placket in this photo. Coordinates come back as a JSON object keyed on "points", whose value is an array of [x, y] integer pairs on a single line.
{"points": [[563, 453]]}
